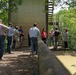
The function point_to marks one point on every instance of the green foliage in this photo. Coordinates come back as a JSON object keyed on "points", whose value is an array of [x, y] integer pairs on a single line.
{"points": [[70, 3], [10, 4], [50, 27], [3, 4], [4, 17], [13, 4], [68, 19], [7, 6]]}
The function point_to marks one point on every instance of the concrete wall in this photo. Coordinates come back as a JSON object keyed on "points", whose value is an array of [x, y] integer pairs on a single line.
{"points": [[29, 12], [48, 63]]}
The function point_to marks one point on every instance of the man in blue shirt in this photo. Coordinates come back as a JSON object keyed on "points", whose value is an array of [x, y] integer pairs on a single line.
{"points": [[10, 38], [34, 33], [21, 35]]}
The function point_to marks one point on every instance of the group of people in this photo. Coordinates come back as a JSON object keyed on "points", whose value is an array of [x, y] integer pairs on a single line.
{"points": [[34, 33], [54, 37], [13, 35]]}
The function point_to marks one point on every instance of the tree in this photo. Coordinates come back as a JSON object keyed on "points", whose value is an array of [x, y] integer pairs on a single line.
{"points": [[8, 6], [13, 6], [70, 3], [68, 20]]}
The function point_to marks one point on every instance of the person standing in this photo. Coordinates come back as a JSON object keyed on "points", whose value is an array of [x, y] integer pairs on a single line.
{"points": [[21, 35], [34, 33], [10, 38], [65, 38], [15, 38], [56, 35], [43, 35], [2, 38], [51, 34]]}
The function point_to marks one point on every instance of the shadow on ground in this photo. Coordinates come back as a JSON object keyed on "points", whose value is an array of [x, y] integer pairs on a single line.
{"points": [[21, 65], [71, 53]]}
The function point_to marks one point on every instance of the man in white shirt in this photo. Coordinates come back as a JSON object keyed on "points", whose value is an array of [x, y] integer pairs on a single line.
{"points": [[34, 33], [3, 28]]}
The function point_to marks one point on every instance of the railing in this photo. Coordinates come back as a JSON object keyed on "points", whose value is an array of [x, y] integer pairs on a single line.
{"points": [[60, 42], [48, 62]]}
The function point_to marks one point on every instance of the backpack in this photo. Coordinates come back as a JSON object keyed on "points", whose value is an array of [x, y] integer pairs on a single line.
{"points": [[57, 32]]}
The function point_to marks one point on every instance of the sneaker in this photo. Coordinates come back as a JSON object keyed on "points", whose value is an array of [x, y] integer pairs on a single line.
{"points": [[11, 53]]}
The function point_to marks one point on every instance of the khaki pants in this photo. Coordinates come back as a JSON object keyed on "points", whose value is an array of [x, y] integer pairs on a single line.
{"points": [[56, 42]]}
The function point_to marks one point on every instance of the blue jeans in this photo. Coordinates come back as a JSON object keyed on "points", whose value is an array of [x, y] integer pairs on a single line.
{"points": [[9, 45], [34, 44], [2, 44], [51, 41]]}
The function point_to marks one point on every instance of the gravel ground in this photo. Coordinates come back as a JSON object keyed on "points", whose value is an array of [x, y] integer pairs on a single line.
{"points": [[20, 62], [68, 58]]}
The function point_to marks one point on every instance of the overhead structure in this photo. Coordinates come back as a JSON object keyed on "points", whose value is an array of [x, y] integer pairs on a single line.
{"points": [[50, 11], [49, 7]]}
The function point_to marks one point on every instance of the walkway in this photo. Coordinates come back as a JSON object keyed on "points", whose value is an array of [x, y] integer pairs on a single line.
{"points": [[20, 62], [68, 59]]}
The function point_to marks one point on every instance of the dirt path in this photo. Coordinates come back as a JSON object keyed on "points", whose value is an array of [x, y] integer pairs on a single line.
{"points": [[19, 63], [68, 59], [22, 63]]}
